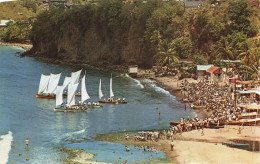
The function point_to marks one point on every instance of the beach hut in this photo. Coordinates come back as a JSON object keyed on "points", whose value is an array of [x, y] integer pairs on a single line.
{"points": [[132, 70], [186, 63], [215, 74], [201, 71]]}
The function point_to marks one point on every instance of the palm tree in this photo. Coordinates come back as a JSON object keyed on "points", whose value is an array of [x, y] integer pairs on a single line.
{"points": [[225, 49], [166, 54], [248, 54]]}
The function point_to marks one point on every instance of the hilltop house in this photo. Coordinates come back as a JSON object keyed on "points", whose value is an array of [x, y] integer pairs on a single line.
{"points": [[186, 63], [3, 23]]}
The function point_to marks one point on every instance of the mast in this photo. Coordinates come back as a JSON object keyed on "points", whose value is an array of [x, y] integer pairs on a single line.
{"points": [[111, 91], [99, 91], [84, 93]]}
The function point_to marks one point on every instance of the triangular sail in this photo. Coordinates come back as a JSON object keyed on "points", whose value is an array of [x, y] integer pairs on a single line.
{"points": [[59, 95], [75, 77], [99, 91], [66, 81], [53, 83], [84, 93], [71, 94], [111, 91], [43, 83]]}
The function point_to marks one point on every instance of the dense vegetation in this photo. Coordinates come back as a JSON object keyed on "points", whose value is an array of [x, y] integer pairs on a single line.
{"points": [[154, 32]]}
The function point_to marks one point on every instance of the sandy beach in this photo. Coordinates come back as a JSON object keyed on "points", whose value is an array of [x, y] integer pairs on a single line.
{"points": [[21, 45], [192, 147]]}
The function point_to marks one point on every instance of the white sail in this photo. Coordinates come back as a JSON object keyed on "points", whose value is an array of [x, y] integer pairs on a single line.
{"points": [[111, 91], [84, 93], [59, 95], [71, 94], [53, 82], [43, 83], [99, 91], [75, 77], [66, 81]]}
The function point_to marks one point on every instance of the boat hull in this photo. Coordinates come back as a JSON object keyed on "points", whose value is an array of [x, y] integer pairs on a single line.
{"points": [[75, 108], [198, 107], [113, 102], [45, 96], [249, 122], [95, 106]]}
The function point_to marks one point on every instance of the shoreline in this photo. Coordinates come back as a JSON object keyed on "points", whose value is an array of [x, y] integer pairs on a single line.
{"points": [[24, 46], [193, 147]]}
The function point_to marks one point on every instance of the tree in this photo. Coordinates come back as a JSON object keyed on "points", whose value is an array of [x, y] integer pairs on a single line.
{"points": [[228, 47], [166, 54], [239, 13], [183, 47], [247, 54]]}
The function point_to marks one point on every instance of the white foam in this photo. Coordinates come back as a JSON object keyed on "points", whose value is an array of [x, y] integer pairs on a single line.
{"points": [[138, 82], [5, 147], [159, 89]]}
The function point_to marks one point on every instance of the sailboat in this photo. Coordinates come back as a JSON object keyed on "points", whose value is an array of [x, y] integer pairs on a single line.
{"points": [[111, 94], [85, 96], [71, 105], [48, 85]]}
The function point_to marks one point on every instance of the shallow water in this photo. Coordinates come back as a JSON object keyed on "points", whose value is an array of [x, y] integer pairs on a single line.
{"points": [[28, 117]]}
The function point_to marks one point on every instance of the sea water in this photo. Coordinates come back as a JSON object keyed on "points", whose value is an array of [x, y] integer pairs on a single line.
{"points": [[24, 116]]}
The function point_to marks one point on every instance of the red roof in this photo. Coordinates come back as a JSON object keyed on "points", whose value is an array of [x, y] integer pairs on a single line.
{"points": [[214, 69]]}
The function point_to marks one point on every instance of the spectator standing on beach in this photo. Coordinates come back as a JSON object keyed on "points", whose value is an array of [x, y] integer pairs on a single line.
{"points": [[27, 144], [172, 144]]}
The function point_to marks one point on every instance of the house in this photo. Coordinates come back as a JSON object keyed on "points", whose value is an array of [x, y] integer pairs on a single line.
{"points": [[201, 71], [132, 70], [215, 74], [3, 23], [191, 3], [186, 63]]}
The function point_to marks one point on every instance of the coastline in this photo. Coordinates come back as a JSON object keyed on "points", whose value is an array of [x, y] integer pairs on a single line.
{"points": [[193, 147], [24, 46]]}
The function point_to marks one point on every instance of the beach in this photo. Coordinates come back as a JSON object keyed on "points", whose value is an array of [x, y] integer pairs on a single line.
{"points": [[193, 147]]}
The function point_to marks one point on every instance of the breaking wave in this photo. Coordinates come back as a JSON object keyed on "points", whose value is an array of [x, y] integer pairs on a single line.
{"points": [[5, 147]]}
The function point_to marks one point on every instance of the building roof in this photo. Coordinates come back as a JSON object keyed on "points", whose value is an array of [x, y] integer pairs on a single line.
{"points": [[249, 91], [231, 61], [203, 67], [214, 69]]}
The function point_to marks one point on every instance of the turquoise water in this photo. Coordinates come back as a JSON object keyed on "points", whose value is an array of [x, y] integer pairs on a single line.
{"points": [[27, 117]]}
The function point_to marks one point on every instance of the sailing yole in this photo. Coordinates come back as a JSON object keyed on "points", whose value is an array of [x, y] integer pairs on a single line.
{"points": [[110, 99], [48, 85]]}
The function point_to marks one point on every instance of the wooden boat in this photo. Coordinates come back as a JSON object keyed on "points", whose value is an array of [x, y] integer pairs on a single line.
{"points": [[74, 108], [46, 96], [48, 85], [248, 115], [111, 95], [97, 105], [112, 102], [185, 100], [71, 106], [198, 107], [246, 122], [174, 123]]}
